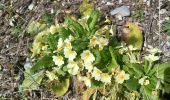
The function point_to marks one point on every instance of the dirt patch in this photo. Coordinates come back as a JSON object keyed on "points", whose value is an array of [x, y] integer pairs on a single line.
{"points": [[15, 42]]}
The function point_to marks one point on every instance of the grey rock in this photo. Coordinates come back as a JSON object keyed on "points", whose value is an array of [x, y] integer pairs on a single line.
{"points": [[121, 11]]}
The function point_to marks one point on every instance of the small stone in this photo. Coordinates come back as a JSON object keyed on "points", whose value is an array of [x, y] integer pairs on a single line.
{"points": [[31, 6], [162, 11], [120, 12], [109, 4]]}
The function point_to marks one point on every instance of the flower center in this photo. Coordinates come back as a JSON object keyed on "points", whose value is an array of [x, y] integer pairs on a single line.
{"points": [[122, 77]]}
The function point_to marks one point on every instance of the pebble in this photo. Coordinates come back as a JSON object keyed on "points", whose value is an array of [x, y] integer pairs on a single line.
{"points": [[31, 6], [120, 12]]}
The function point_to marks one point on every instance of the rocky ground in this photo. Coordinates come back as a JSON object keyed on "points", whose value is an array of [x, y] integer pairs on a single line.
{"points": [[15, 15]]}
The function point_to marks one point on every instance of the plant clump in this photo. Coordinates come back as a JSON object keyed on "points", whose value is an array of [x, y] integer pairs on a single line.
{"points": [[107, 68]]}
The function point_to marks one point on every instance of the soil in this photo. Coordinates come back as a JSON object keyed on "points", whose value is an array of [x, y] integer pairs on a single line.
{"points": [[15, 15]]}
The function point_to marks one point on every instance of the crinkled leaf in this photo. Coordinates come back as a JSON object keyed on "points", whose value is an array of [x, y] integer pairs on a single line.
{"points": [[146, 94], [63, 33], [160, 69], [148, 89], [137, 68], [167, 87], [129, 70], [51, 41], [36, 27], [97, 55], [96, 84], [166, 76], [105, 59], [38, 42], [75, 26], [79, 45], [42, 63], [132, 84], [86, 8], [32, 81], [113, 62], [61, 87], [133, 35], [146, 65], [93, 20]]}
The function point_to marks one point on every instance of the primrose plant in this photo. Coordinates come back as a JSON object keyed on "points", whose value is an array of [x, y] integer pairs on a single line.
{"points": [[101, 66]]}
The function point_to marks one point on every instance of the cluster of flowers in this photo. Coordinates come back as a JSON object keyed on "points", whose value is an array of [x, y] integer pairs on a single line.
{"points": [[87, 59], [65, 55]]}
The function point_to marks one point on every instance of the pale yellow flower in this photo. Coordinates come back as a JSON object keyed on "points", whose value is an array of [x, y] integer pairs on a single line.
{"points": [[88, 66], [146, 82], [131, 48], [96, 74], [51, 75], [73, 68], [87, 56], [93, 41], [44, 47], [71, 55], [87, 81], [152, 57], [154, 50], [68, 45], [60, 44], [154, 93], [143, 81], [121, 77], [105, 78], [58, 60], [103, 42], [53, 29], [70, 37], [115, 71]]}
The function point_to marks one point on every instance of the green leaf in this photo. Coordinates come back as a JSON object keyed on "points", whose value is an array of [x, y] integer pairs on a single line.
{"points": [[61, 87], [42, 63], [86, 8], [63, 33], [125, 58], [134, 36], [132, 84], [146, 94], [167, 87], [78, 28], [114, 57], [39, 40], [167, 75], [137, 68], [160, 69], [96, 84], [36, 27], [79, 45], [148, 89], [97, 55], [129, 70], [146, 65], [93, 20], [51, 41], [31, 81], [48, 18]]}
